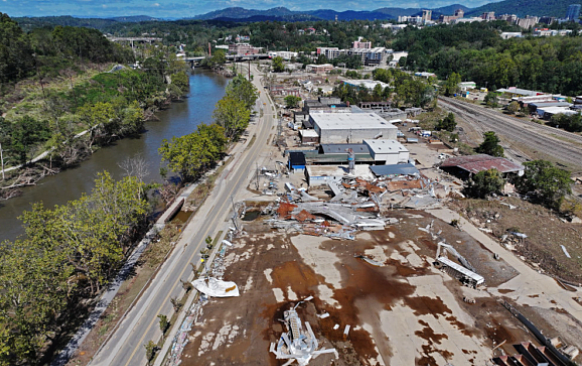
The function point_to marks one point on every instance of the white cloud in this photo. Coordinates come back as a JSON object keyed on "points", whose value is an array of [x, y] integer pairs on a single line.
{"points": [[156, 4]]}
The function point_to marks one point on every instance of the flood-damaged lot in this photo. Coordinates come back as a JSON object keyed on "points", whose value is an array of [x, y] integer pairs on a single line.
{"points": [[401, 310]]}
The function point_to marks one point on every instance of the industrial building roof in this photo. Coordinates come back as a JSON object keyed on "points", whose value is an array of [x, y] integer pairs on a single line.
{"points": [[308, 133], [518, 91], [476, 163], [360, 170], [550, 104], [345, 121], [368, 84], [394, 169], [554, 110], [385, 146], [343, 148], [296, 158]]}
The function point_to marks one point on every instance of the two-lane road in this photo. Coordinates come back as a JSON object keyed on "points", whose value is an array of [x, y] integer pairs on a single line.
{"points": [[126, 346]]}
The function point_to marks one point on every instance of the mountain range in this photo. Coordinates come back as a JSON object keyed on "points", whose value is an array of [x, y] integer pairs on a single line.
{"points": [[556, 8], [521, 8], [242, 14]]}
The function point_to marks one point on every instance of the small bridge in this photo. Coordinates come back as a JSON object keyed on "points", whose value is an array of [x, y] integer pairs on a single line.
{"points": [[193, 61], [133, 40]]}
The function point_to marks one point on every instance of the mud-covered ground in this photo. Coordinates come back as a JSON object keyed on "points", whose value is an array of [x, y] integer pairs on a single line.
{"points": [[546, 233], [402, 312]]}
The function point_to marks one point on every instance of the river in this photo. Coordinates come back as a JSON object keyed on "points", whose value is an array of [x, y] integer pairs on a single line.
{"points": [[180, 119]]}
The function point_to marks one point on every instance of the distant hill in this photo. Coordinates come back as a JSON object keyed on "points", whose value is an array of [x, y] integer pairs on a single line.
{"points": [[240, 13], [325, 14], [28, 23], [521, 8], [396, 12], [264, 18], [328, 14], [134, 19]]}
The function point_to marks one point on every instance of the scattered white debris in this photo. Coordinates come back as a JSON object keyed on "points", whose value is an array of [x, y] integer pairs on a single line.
{"points": [[347, 331], [323, 316], [226, 242], [565, 251], [336, 327], [216, 288], [267, 273]]}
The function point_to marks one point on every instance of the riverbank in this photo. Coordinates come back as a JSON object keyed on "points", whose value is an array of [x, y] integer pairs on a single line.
{"points": [[181, 118], [60, 126]]}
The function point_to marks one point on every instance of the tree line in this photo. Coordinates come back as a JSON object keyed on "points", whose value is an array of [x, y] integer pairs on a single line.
{"points": [[108, 106], [45, 51], [403, 89], [67, 255], [193, 154], [477, 52]]}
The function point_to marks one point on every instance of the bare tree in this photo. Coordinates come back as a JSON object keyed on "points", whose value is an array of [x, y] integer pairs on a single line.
{"points": [[136, 166]]}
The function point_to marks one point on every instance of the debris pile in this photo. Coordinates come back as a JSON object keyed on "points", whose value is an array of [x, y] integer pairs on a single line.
{"points": [[214, 287], [298, 344]]}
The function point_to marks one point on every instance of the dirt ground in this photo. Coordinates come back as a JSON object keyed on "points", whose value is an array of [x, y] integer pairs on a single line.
{"points": [[544, 229], [402, 312]]}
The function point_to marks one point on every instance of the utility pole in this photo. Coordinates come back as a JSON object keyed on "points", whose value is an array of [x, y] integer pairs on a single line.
{"points": [[257, 163], [2, 160], [249, 69], [234, 215]]}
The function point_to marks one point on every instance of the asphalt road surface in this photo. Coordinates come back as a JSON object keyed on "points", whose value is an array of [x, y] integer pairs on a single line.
{"points": [[126, 346]]}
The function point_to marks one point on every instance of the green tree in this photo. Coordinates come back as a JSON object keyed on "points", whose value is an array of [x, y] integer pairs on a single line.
{"points": [[491, 100], [243, 90], [16, 60], [545, 183], [151, 349], [164, 323], [192, 154], [448, 123], [513, 107], [278, 65], [21, 136], [490, 145], [452, 84], [180, 79], [219, 58], [233, 115], [484, 183], [292, 101]]}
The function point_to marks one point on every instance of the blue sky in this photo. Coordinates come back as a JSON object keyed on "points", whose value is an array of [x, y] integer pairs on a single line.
{"points": [[188, 8]]}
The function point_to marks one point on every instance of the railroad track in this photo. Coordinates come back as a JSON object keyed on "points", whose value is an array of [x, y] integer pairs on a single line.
{"points": [[526, 123], [535, 137]]}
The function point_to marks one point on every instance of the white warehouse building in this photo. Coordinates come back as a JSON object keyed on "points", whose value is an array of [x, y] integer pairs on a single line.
{"points": [[391, 152], [351, 127]]}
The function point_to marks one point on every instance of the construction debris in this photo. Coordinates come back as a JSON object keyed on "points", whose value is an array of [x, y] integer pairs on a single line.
{"points": [[216, 288], [465, 273], [298, 344]]}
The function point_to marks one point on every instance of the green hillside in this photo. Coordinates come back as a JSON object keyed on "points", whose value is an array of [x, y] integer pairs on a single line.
{"points": [[521, 8]]}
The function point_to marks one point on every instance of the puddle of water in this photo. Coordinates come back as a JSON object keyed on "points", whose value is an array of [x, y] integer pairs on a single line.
{"points": [[251, 215], [181, 217]]}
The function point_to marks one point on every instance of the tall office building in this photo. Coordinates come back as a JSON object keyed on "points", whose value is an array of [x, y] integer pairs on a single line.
{"points": [[426, 15], [573, 12]]}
